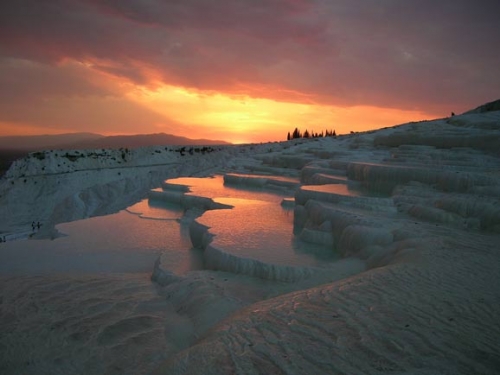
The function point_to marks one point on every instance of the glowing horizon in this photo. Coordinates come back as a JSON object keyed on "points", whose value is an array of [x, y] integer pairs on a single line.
{"points": [[216, 115], [240, 71], [244, 120], [249, 120]]}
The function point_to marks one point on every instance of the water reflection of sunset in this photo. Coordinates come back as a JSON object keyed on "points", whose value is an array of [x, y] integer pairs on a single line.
{"points": [[255, 220]]}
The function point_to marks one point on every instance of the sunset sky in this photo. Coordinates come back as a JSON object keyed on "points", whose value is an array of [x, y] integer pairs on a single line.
{"points": [[242, 70]]}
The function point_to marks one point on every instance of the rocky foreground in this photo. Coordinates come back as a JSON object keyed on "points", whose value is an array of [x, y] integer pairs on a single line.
{"points": [[427, 235]]}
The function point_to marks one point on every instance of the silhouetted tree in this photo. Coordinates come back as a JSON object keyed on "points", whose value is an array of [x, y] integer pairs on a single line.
{"points": [[297, 134]]}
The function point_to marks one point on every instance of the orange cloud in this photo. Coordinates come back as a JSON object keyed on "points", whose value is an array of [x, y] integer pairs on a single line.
{"points": [[242, 119], [248, 70], [92, 95]]}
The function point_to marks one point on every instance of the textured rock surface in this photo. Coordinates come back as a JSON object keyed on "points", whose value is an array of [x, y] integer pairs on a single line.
{"points": [[416, 291]]}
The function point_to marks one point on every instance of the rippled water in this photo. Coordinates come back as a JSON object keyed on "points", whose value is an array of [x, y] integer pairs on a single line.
{"points": [[119, 243], [213, 187], [258, 227], [84, 302]]}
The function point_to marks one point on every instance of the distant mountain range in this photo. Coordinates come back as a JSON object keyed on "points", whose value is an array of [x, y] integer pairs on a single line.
{"points": [[93, 141]]}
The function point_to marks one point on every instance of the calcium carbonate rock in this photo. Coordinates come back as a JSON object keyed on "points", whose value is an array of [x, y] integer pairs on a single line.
{"points": [[259, 181], [354, 238], [433, 214], [253, 181], [317, 237], [218, 259], [186, 201], [384, 178], [288, 161], [325, 179], [307, 173], [199, 235], [486, 211]]}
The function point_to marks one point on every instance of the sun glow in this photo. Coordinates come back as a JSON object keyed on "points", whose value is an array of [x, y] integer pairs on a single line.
{"points": [[243, 119], [240, 118], [128, 108]]}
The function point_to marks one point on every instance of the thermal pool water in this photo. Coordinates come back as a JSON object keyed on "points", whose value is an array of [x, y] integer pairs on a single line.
{"points": [[256, 227]]}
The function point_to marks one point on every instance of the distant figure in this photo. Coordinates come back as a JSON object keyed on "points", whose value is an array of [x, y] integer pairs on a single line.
{"points": [[33, 226], [452, 113], [38, 225]]}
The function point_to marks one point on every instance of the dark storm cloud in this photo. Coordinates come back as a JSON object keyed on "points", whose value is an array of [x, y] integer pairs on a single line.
{"points": [[54, 29], [65, 98], [267, 19], [23, 80], [428, 55]]}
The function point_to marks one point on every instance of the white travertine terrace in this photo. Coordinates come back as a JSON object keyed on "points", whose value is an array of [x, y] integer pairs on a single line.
{"points": [[412, 213]]}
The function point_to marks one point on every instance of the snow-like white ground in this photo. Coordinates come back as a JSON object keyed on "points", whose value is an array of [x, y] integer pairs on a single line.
{"points": [[413, 211]]}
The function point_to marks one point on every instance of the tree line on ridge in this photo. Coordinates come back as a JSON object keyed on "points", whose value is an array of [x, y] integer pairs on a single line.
{"points": [[298, 134]]}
